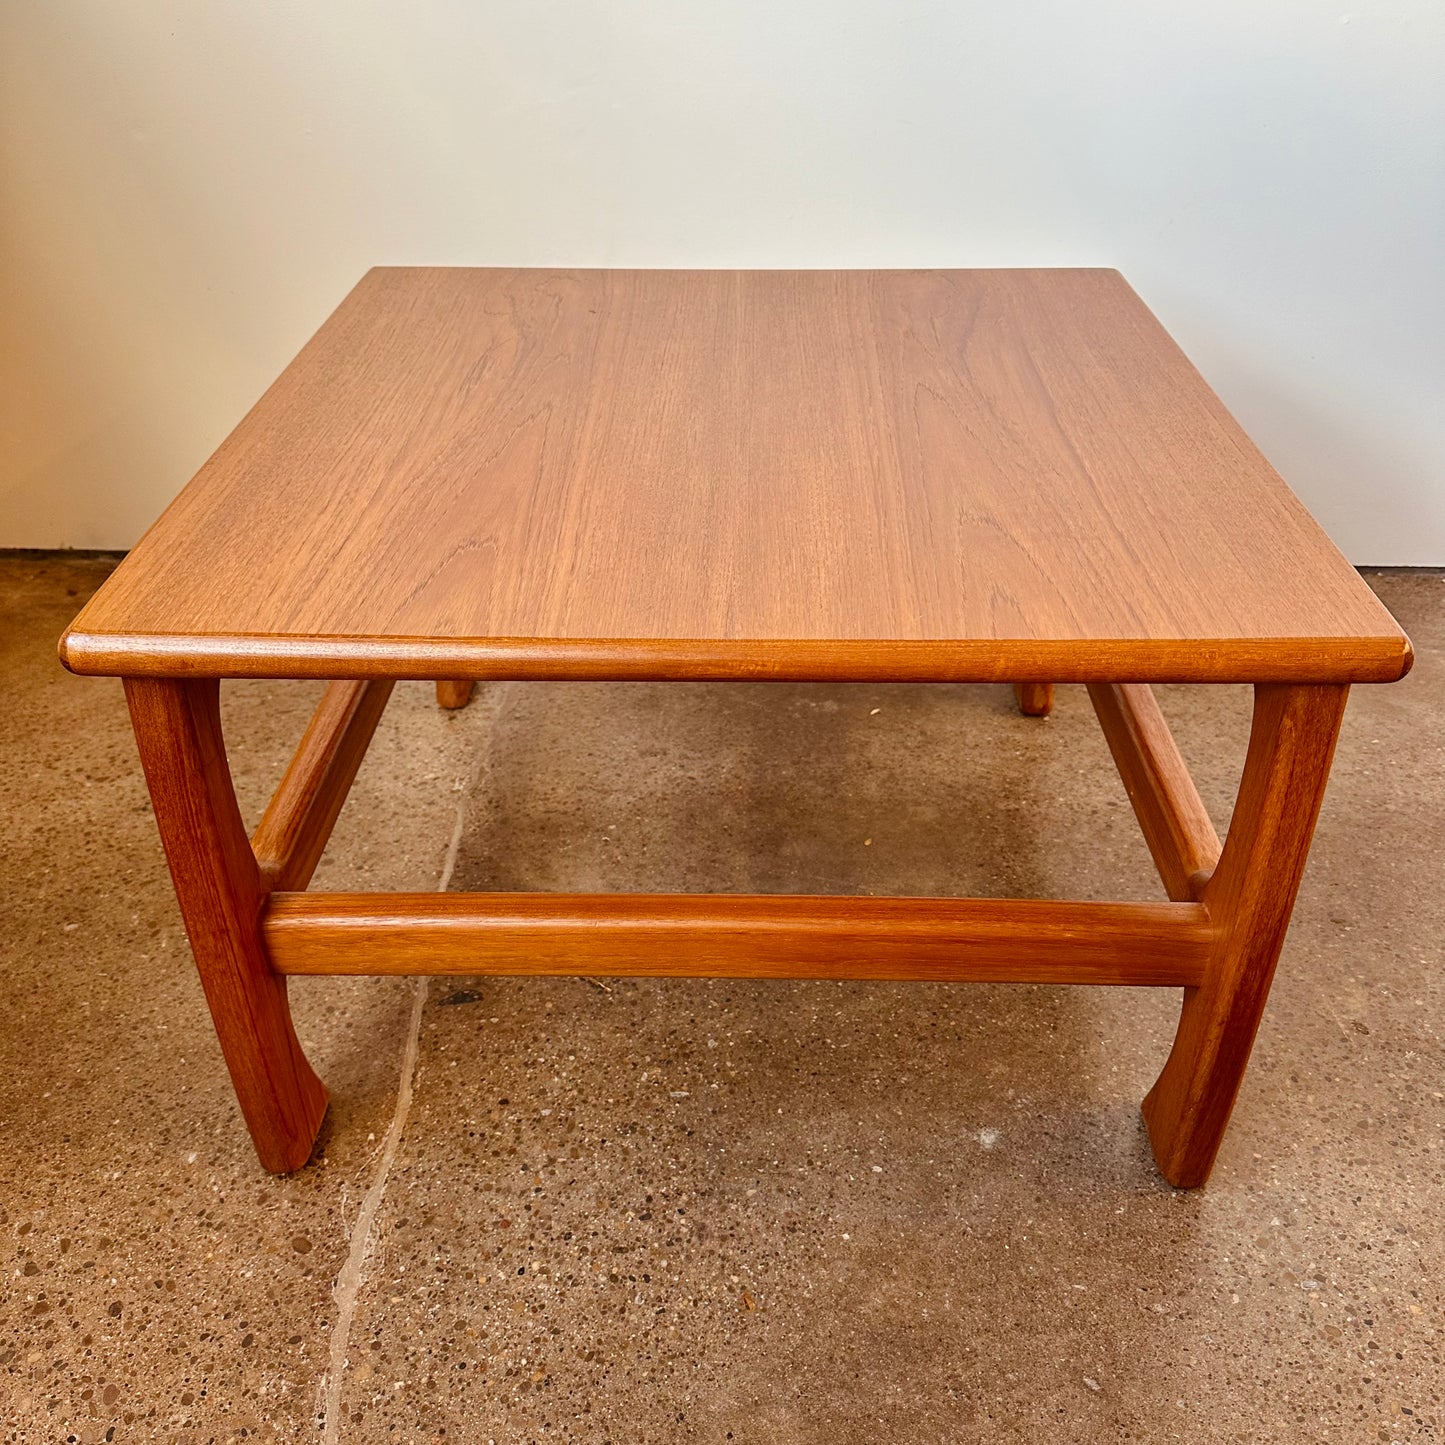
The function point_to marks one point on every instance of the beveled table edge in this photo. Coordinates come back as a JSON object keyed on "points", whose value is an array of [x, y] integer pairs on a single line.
{"points": [[1384, 658]]}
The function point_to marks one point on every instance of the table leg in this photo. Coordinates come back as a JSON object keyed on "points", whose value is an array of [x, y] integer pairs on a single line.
{"points": [[219, 887], [1036, 699], [1250, 897], [454, 694]]}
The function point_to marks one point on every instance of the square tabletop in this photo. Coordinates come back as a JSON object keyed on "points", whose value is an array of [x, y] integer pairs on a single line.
{"points": [[935, 475]]}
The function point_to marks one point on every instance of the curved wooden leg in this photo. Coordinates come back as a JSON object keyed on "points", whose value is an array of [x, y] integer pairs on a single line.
{"points": [[1036, 699], [454, 694], [1249, 897], [218, 884]]}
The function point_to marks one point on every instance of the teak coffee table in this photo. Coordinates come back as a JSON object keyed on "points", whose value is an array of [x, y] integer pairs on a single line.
{"points": [[920, 476]]}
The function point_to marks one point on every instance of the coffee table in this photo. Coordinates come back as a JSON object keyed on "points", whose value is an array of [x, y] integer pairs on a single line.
{"points": [[928, 476]]}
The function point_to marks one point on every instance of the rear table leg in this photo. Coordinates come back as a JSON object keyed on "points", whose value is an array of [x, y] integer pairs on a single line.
{"points": [[1250, 897], [1036, 699], [219, 887], [454, 694]]}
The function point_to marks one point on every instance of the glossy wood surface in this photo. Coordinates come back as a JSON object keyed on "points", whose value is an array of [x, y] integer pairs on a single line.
{"points": [[739, 936], [1250, 895], [1010, 475], [1175, 823], [221, 893], [291, 836]]}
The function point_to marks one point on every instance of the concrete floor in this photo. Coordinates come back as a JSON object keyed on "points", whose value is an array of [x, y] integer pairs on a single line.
{"points": [[637, 1211]]}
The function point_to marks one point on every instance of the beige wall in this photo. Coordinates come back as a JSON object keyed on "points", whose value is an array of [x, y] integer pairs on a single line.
{"points": [[189, 188]]}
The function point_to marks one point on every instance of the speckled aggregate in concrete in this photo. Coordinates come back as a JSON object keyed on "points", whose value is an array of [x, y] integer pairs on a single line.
{"points": [[638, 1211]]}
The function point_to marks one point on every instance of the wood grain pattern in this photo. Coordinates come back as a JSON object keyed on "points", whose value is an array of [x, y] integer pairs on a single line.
{"points": [[291, 836], [1176, 824], [953, 475], [735, 935], [1250, 896], [221, 893]]}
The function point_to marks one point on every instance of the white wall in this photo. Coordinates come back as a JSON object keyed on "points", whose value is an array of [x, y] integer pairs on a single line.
{"points": [[189, 188]]}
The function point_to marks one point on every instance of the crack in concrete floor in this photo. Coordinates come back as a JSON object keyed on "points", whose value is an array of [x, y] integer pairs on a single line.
{"points": [[351, 1278]]}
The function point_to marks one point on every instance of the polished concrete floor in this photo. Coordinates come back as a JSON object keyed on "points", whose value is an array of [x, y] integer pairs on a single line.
{"points": [[648, 1211]]}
